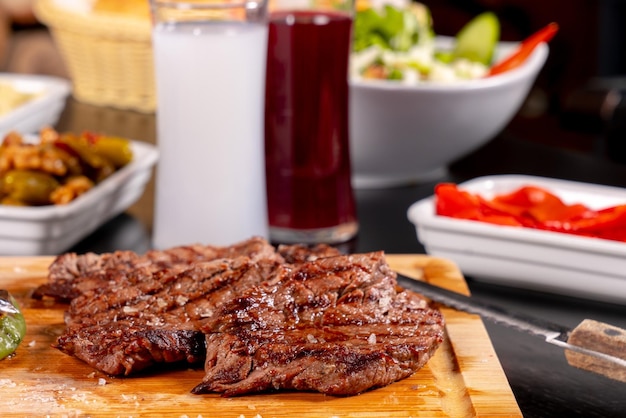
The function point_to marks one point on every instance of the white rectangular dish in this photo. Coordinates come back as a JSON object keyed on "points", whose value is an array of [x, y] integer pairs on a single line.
{"points": [[44, 109], [50, 230], [589, 268]]}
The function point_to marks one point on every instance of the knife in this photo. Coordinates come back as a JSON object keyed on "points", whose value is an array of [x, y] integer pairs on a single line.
{"points": [[592, 345], [5, 303]]}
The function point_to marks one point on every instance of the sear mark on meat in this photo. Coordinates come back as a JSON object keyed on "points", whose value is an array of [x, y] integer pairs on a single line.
{"points": [[128, 328], [334, 325], [121, 302], [71, 275]]}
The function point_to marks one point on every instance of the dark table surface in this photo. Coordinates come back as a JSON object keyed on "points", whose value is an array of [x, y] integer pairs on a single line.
{"points": [[542, 381]]}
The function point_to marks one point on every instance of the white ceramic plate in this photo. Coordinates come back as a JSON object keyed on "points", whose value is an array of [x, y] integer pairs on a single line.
{"points": [[49, 230], [38, 112], [589, 268]]}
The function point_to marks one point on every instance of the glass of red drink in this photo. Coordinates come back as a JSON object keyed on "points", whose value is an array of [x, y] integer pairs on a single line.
{"points": [[307, 158]]}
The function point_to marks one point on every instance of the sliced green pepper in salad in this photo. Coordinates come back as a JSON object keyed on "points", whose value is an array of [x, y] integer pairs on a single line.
{"points": [[12, 324]]}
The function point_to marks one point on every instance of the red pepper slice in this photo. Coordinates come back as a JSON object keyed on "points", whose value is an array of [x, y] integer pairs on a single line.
{"points": [[91, 137], [453, 202], [526, 48], [533, 207], [461, 204], [606, 219], [538, 204]]}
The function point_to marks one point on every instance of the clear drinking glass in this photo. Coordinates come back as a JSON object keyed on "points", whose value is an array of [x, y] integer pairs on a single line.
{"points": [[210, 60], [309, 192]]}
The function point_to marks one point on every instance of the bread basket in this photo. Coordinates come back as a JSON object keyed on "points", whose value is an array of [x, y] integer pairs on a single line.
{"points": [[108, 55]]}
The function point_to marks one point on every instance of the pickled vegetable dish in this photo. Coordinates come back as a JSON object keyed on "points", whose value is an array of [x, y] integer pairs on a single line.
{"points": [[532, 207], [59, 168]]}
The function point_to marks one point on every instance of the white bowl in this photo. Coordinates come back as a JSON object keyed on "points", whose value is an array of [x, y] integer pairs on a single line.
{"points": [[52, 229], [553, 262], [38, 112], [410, 133]]}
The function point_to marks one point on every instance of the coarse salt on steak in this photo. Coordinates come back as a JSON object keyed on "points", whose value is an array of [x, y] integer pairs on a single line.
{"points": [[335, 325], [129, 312], [294, 317], [128, 328], [71, 274]]}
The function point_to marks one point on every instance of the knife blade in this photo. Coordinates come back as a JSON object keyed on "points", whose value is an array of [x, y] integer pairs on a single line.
{"points": [[592, 345], [5, 303]]}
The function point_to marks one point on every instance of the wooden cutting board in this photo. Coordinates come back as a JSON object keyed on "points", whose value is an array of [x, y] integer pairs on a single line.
{"points": [[463, 379]]}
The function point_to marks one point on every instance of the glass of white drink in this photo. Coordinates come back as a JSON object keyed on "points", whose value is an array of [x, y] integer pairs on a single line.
{"points": [[210, 65]]}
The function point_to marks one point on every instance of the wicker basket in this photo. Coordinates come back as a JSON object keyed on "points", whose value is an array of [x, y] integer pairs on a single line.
{"points": [[109, 56]]}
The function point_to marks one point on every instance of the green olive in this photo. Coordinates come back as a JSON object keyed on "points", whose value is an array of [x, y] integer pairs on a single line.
{"points": [[29, 187]]}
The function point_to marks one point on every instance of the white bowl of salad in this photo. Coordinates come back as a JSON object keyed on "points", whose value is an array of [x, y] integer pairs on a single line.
{"points": [[419, 102]]}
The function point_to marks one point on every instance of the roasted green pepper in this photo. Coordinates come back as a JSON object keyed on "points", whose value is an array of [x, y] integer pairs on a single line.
{"points": [[12, 324]]}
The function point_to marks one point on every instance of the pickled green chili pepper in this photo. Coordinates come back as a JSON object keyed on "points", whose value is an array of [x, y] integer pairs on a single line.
{"points": [[12, 325], [116, 150], [99, 166]]}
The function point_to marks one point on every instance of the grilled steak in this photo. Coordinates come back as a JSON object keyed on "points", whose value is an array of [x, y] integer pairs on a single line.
{"points": [[134, 324], [261, 318], [298, 253], [127, 347], [128, 312], [71, 274], [336, 325]]}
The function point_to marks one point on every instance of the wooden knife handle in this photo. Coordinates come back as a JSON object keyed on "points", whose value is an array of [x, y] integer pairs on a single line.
{"points": [[600, 337]]}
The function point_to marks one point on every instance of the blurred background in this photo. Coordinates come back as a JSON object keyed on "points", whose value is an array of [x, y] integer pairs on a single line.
{"points": [[25, 44], [587, 61], [575, 103]]}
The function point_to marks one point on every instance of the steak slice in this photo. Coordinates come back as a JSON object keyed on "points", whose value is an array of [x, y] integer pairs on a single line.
{"points": [[128, 312], [296, 317], [71, 275], [128, 328], [300, 253], [337, 325], [127, 347]]}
